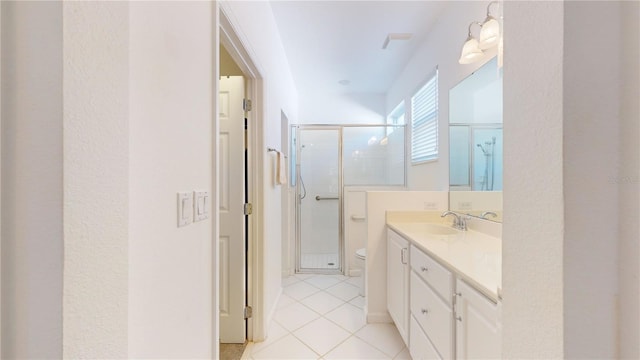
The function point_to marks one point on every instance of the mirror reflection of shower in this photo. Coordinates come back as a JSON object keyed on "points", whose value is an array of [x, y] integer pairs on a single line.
{"points": [[488, 177]]}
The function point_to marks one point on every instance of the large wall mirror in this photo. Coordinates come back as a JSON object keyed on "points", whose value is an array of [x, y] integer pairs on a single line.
{"points": [[476, 143]]}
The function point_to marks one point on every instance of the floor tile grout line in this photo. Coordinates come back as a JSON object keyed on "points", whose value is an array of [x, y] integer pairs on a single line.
{"points": [[350, 333], [326, 318], [342, 302]]}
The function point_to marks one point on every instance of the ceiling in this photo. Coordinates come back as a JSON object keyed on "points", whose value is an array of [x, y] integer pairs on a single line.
{"points": [[330, 41]]}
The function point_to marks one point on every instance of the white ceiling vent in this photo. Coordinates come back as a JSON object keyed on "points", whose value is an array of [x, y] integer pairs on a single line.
{"points": [[395, 36]]}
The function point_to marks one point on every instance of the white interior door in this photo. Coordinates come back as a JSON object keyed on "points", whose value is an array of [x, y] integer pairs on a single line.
{"points": [[232, 219]]}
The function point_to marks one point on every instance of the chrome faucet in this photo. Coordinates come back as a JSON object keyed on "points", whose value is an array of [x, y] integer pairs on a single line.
{"points": [[459, 222], [487, 213]]}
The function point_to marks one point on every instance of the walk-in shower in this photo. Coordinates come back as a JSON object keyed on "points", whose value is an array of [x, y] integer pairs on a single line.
{"points": [[325, 159]]}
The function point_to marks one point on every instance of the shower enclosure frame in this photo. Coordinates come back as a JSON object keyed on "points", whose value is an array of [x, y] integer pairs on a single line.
{"points": [[472, 142], [296, 129], [298, 208]]}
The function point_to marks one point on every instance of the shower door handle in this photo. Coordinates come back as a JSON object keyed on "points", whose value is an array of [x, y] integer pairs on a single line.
{"points": [[318, 198]]}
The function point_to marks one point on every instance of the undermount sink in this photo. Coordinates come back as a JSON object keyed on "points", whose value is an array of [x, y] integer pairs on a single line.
{"points": [[437, 229]]}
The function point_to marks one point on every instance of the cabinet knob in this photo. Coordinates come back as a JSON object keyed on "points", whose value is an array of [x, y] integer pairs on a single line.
{"points": [[457, 294], [424, 269], [424, 311], [459, 318]]}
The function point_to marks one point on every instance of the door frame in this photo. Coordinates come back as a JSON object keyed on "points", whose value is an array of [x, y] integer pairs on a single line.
{"points": [[233, 43]]}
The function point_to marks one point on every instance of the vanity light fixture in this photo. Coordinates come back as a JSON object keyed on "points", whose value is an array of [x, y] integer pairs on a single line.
{"points": [[471, 51], [490, 30], [489, 36]]}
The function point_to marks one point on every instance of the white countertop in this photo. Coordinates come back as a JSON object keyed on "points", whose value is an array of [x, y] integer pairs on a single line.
{"points": [[474, 256]]}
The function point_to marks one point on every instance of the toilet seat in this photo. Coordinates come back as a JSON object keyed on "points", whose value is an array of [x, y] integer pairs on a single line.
{"points": [[361, 253]]}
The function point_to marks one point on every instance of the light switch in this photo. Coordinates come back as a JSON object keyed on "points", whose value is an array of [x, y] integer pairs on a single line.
{"points": [[185, 208], [201, 205]]}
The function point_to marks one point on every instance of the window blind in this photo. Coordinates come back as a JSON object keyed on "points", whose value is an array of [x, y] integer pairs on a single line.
{"points": [[424, 121]]}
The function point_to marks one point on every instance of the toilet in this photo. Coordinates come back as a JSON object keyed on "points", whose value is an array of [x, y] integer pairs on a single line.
{"points": [[361, 256]]}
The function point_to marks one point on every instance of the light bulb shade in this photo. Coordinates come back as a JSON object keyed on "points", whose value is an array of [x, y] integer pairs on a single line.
{"points": [[489, 33], [470, 51]]}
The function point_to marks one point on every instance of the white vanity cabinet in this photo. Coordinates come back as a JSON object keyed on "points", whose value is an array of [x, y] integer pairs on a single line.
{"points": [[437, 312], [398, 282], [478, 328], [431, 305]]}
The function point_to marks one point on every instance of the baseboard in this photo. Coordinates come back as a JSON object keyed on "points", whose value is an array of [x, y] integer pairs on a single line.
{"points": [[287, 272], [373, 318], [355, 272], [269, 318]]}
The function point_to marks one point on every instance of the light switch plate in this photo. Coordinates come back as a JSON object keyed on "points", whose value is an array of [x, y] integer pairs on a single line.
{"points": [[465, 205], [201, 205], [430, 205], [185, 208]]}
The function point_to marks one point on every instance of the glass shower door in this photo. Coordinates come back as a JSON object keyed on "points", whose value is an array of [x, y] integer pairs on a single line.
{"points": [[319, 198]]}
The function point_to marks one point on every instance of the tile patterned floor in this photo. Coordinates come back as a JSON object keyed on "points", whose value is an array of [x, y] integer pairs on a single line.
{"points": [[321, 317]]}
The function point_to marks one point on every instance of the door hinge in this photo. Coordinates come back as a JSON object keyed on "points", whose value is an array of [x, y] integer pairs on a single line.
{"points": [[248, 209], [248, 312], [246, 105]]}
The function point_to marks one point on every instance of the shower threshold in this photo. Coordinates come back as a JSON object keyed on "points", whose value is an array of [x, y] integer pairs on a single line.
{"points": [[320, 263]]}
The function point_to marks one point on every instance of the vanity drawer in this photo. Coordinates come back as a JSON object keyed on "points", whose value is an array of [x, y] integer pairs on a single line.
{"points": [[433, 315], [435, 274], [420, 346]]}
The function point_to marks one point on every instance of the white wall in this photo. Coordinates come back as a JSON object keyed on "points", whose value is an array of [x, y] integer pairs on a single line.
{"points": [[254, 23], [581, 300], [321, 108], [96, 175], [1, 181], [591, 124], [533, 224], [169, 275], [628, 181], [441, 48], [172, 125], [32, 234]]}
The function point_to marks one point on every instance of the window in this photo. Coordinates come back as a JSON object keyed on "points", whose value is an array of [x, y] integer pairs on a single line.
{"points": [[424, 121], [395, 118]]}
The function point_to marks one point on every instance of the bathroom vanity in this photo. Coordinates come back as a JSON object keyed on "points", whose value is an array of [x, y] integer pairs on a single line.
{"points": [[443, 289]]}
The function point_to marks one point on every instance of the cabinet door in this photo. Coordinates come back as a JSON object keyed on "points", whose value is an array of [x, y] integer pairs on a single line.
{"points": [[478, 334], [420, 346], [398, 282]]}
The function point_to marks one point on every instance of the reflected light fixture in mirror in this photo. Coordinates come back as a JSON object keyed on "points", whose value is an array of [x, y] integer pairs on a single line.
{"points": [[490, 30], [471, 51]]}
